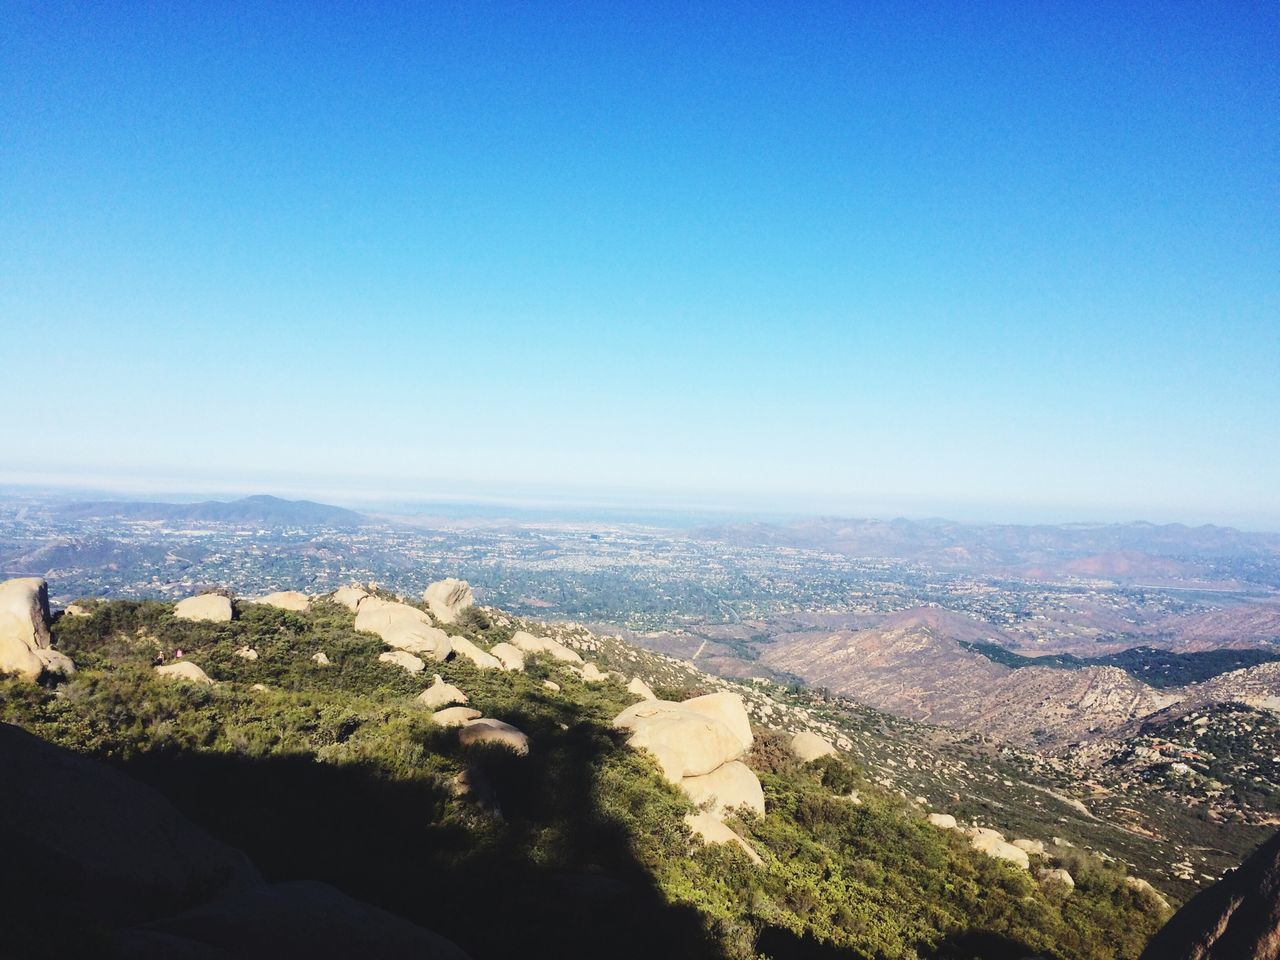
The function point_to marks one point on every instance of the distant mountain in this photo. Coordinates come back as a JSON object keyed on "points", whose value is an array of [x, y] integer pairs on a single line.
{"points": [[265, 510]]}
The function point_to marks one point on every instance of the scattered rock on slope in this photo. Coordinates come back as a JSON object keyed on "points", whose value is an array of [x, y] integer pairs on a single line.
{"points": [[441, 694], [184, 670], [210, 607], [1238, 918], [24, 631], [530, 644], [641, 689], [993, 844], [448, 598], [809, 746]]}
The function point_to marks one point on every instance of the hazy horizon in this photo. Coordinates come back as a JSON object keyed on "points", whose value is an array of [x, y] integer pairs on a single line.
{"points": [[428, 498]]}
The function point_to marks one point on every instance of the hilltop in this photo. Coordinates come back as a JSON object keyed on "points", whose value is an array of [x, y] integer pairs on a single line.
{"points": [[323, 752]]}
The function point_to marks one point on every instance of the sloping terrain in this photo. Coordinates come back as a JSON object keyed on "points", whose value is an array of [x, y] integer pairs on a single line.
{"points": [[335, 772]]}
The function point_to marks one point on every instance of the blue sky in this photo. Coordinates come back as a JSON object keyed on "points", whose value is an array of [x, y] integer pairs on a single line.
{"points": [[979, 260]]}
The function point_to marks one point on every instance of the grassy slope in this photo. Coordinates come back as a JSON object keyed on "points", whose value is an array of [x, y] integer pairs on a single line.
{"points": [[336, 774]]}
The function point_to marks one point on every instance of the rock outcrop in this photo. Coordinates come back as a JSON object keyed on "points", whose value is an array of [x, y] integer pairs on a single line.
{"points": [[287, 600], [527, 642], [1147, 890], [441, 694], [24, 631], [943, 821], [809, 746], [446, 599], [698, 743], [184, 670], [403, 627], [321, 658], [1059, 876], [1238, 918], [403, 659], [487, 730], [247, 653], [208, 607]]}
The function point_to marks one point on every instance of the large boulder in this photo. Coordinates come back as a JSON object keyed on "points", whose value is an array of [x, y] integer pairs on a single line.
{"points": [[641, 689], [712, 830], [298, 918], [685, 742], [481, 658], [403, 627], [729, 786], [210, 607], [349, 597], [808, 746], [184, 670], [593, 674], [24, 631], [527, 642], [488, 730], [454, 716], [441, 694], [511, 658], [1147, 890], [943, 821], [993, 844], [403, 659], [287, 600], [729, 709], [448, 598]]}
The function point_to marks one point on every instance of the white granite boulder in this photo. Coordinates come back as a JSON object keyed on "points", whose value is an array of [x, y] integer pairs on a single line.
{"points": [[184, 670], [446, 599], [207, 607], [454, 716], [24, 631], [512, 658], [286, 600], [527, 642], [641, 689], [729, 786], [441, 694], [349, 597], [481, 658], [403, 627], [403, 659], [808, 746]]}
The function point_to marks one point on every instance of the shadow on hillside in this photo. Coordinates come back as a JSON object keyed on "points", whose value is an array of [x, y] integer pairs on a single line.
{"points": [[558, 879], [777, 943], [981, 945]]}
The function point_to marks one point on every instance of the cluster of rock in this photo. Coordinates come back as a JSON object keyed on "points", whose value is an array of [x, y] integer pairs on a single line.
{"points": [[450, 710], [699, 745], [1017, 852], [25, 642]]}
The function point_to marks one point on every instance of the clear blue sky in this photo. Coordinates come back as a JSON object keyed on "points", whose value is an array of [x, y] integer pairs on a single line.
{"points": [[969, 258]]}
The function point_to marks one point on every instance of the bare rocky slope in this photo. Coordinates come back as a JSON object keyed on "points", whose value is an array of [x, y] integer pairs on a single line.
{"points": [[912, 664]]}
